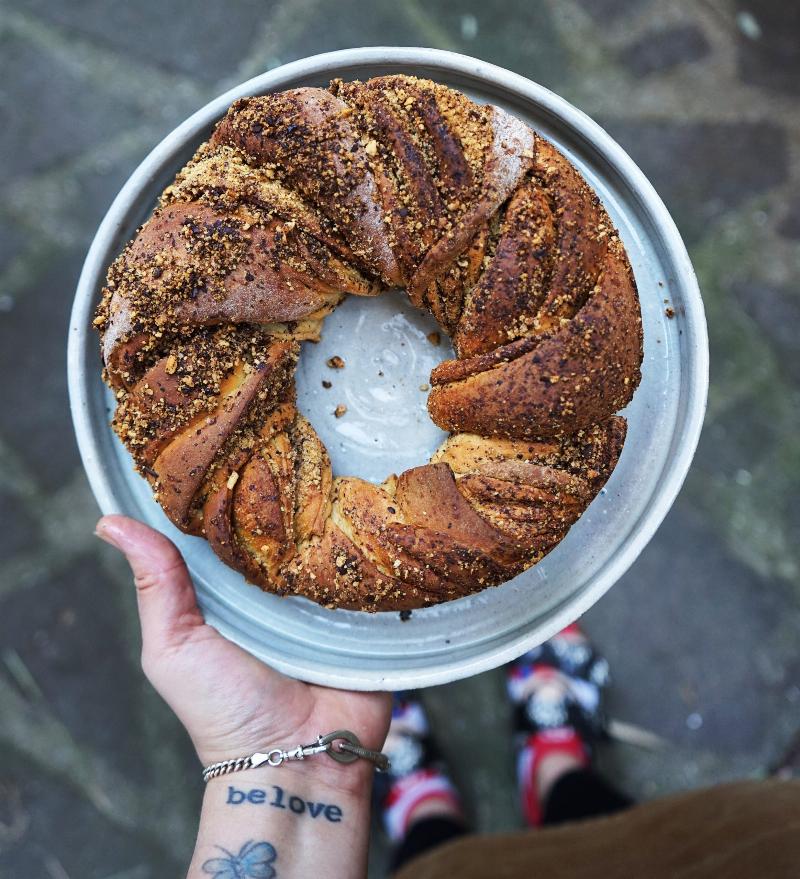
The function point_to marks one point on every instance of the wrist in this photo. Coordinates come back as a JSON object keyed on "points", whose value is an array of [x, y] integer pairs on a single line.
{"points": [[327, 762], [303, 825]]}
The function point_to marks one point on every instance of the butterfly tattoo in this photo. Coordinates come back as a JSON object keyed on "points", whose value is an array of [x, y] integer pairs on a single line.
{"points": [[254, 861]]}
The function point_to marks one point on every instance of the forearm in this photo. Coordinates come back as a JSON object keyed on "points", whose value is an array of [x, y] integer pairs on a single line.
{"points": [[293, 821]]}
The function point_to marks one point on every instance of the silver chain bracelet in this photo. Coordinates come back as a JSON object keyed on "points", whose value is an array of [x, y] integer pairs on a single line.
{"points": [[342, 745]]}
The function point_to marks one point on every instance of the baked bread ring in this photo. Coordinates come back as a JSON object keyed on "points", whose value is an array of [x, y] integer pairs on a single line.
{"points": [[302, 197]]}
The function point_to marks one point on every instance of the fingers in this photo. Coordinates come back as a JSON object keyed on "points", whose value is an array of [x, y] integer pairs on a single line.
{"points": [[168, 609]]}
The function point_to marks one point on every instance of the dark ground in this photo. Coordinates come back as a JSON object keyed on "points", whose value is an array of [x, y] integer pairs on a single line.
{"points": [[96, 779]]}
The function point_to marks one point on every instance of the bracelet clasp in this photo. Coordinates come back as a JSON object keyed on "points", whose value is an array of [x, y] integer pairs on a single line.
{"points": [[277, 755]]}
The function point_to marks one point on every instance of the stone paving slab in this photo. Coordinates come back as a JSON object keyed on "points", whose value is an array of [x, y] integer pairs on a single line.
{"points": [[682, 163], [50, 830], [673, 46], [718, 646], [33, 365], [768, 53], [97, 780], [202, 40], [73, 644]]}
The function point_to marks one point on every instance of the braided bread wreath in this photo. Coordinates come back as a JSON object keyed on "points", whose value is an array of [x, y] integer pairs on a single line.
{"points": [[302, 197]]}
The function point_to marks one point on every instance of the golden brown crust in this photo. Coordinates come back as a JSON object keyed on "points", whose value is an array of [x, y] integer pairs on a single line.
{"points": [[428, 496], [219, 530], [334, 572], [302, 197], [443, 165], [304, 136], [504, 304], [554, 385], [590, 454], [314, 481], [510, 156], [183, 465], [263, 512], [367, 515], [445, 296], [221, 177], [191, 266]]}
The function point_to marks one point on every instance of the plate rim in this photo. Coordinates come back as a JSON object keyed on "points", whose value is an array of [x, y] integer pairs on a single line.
{"points": [[413, 58]]}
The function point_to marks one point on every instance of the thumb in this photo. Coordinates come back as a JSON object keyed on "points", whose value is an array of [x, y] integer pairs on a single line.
{"points": [[168, 609]]}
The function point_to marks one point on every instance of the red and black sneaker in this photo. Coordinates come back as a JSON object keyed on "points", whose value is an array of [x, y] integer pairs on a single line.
{"points": [[417, 772], [560, 683], [557, 693]]}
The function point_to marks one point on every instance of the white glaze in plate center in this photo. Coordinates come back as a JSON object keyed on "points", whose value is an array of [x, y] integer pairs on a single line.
{"points": [[388, 359]]}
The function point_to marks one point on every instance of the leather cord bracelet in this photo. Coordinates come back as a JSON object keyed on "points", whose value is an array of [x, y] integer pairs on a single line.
{"points": [[342, 745]]}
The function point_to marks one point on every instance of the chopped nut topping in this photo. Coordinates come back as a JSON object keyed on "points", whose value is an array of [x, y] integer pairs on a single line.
{"points": [[306, 198]]}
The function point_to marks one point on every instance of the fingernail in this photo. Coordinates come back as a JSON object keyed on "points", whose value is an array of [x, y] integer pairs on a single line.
{"points": [[105, 536]]}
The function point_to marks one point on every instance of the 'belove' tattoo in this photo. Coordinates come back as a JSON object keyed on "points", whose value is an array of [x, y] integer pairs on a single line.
{"points": [[280, 799], [254, 861]]}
